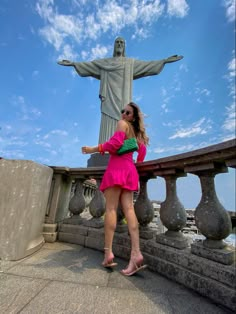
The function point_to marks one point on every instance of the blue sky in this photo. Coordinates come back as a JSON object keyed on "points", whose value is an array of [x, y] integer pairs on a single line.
{"points": [[47, 112]]}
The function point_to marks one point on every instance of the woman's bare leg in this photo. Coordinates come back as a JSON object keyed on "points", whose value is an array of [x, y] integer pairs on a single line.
{"points": [[128, 210], [112, 196], [136, 258]]}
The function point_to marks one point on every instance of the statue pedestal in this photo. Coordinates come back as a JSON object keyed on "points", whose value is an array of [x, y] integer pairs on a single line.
{"points": [[98, 160]]}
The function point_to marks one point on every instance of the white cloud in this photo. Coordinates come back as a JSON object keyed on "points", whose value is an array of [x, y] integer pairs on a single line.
{"points": [[183, 67], [229, 125], [12, 143], [197, 128], [67, 53], [230, 9], [202, 91], [42, 143], [24, 140], [98, 52], [93, 19], [12, 154], [180, 148], [111, 17], [56, 132], [164, 107], [53, 36], [178, 8], [227, 137], [231, 75], [93, 27], [163, 91], [26, 112], [149, 12], [231, 68]]}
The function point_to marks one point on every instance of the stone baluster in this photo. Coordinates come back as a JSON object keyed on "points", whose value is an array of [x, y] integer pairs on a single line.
{"points": [[172, 212], [96, 209], [77, 204], [144, 210], [86, 195], [89, 191], [212, 220]]}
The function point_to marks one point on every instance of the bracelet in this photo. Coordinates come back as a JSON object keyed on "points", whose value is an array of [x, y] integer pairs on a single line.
{"points": [[100, 150]]}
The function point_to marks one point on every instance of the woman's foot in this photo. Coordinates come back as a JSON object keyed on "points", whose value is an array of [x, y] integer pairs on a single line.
{"points": [[135, 265], [108, 259]]}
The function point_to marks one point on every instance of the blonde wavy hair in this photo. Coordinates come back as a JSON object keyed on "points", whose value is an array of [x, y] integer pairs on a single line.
{"points": [[138, 124]]}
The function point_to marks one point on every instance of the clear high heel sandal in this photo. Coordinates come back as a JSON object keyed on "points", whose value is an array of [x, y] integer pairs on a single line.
{"points": [[135, 265], [108, 261]]}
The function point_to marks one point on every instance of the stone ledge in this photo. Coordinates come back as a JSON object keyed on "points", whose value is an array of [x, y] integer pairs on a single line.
{"points": [[224, 256], [71, 238], [94, 223], [49, 227], [199, 265], [74, 229], [50, 237], [210, 288], [177, 242]]}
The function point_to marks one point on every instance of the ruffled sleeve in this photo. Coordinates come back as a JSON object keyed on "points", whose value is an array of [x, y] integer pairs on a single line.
{"points": [[141, 152], [114, 143]]}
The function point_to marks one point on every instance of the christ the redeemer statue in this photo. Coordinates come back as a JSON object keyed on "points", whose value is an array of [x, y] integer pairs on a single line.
{"points": [[116, 77]]}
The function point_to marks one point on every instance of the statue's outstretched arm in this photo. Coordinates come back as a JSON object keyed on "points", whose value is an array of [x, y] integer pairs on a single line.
{"points": [[173, 59], [65, 62]]}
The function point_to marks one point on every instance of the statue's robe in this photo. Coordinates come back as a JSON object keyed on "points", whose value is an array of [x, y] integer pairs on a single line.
{"points": [[116, 77]]}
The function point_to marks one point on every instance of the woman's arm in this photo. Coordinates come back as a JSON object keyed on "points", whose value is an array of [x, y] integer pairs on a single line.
{"points": [[113, 144], [141, 152]]}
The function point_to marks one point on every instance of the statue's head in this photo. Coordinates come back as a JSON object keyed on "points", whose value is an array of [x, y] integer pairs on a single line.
{"points": [[119, 47]]}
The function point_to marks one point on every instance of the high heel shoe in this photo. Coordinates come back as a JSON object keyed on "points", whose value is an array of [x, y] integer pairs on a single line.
{"points": [[135, 265], [108, 261]]}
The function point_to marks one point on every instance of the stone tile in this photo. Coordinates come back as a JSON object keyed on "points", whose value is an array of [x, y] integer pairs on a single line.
{"points": [[62, 246], [59, 297], [6, 265], [75, 298], [124, 301], [16, 292], [80, 266], [195, 304]]}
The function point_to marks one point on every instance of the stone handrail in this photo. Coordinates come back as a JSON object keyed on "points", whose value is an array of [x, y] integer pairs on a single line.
{"points": [[170, 253], [205, 163]]}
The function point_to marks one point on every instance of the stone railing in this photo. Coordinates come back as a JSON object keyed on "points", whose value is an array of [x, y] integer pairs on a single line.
{"points": [[206, 266]]}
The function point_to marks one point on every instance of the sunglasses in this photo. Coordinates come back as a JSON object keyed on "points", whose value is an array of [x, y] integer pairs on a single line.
{"points": [[127, 112]]}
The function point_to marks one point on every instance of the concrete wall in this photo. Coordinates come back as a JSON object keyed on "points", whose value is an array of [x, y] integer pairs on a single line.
{"points": [[24, 192]]}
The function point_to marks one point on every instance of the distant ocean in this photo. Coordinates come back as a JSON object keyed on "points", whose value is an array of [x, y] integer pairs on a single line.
{"points": [[231, 239]]}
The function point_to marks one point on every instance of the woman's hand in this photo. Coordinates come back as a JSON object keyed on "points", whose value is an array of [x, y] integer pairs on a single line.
{"points": [[89, 149]]}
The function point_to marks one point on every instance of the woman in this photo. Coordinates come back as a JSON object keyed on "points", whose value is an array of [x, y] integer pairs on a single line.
{"points": [[119, 181]]}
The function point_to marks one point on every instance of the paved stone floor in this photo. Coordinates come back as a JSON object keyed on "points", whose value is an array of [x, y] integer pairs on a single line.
{"points": [[67, 278]]}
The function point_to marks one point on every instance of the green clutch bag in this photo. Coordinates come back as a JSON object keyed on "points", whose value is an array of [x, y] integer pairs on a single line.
{"points": [[130, 145]]}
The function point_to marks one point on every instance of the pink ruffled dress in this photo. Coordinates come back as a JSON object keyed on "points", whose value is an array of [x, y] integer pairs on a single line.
{"points": [[121, 170]]}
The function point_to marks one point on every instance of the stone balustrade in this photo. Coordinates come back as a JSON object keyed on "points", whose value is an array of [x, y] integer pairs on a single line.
{"points": [[207, 266]]}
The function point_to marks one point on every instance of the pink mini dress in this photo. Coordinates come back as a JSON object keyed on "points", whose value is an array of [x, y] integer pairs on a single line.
{"points": [[121, 170]]}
